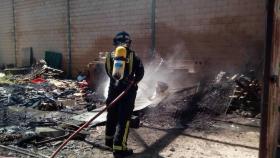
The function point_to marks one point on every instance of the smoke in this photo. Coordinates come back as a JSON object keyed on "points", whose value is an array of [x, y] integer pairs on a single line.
{"points": [[169, 67], [106, 88]]}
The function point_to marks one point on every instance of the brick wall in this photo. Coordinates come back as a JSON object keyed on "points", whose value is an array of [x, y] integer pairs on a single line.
{"points": [[221, 34], [41, 24], [7, 51], [94, 24]]}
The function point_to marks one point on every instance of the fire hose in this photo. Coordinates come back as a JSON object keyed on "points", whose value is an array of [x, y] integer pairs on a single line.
{"points": [[93, 118]]}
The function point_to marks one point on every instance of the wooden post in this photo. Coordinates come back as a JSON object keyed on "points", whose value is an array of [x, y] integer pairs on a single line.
{"points": [[270, 101]]}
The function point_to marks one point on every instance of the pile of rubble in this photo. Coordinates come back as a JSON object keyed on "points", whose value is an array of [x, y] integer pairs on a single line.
{"points": [[247, 96], [238, 93], [26, 99], [226, 94], [41, 90], [51, 95]]}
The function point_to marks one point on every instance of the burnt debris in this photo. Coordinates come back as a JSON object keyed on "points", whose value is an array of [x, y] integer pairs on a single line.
{"points": [[237, 93]]}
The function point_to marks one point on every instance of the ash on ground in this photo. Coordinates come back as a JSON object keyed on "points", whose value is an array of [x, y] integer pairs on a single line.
{"points": [[227, 94]]}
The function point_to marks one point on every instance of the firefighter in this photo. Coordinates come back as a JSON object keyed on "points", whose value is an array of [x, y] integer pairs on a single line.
{"points": [[123, 68]]}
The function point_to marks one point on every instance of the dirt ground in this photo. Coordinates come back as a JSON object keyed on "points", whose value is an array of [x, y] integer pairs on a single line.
{"points": [[225, 137], [222, 140]]}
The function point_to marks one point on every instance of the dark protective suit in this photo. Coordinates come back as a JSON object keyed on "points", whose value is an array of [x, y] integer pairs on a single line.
{"points": [[118, 117]]}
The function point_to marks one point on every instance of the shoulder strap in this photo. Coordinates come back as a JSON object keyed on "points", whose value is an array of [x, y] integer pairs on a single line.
{"points": [[108, 63], [131, 56]]}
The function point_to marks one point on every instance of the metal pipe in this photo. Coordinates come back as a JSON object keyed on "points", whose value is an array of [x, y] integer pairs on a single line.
{"points": [[69, 41], [263, 146], [14, 32], [93, 118], [153, 27]]}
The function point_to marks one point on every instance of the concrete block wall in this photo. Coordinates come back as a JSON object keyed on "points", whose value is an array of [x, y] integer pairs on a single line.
{"points": [[94, 23], [220, 34], [216, 34], [42, 25], [7, 49]]}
